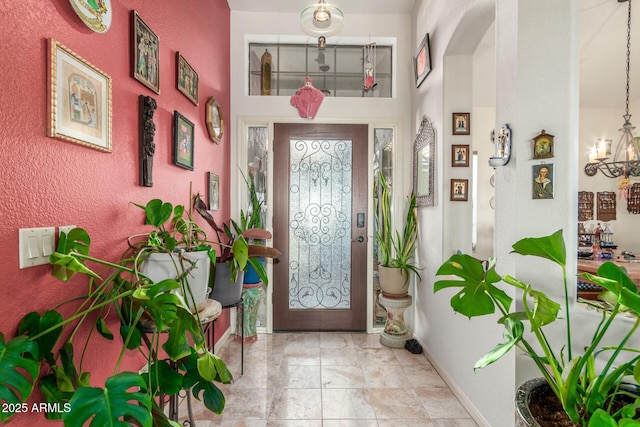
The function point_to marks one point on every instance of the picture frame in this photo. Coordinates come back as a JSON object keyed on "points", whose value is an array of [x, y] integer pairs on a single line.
{"points": [[214, 191], [187, 79], [183, 142], [543, 146], [424, 164], [80, 100], [422, 61], [542, 181], [461, 123], [214, 120], [145, 54], [460, 156], [459, 190]]}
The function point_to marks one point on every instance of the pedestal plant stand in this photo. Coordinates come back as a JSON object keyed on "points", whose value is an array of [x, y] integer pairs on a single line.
{"points": [[395, 332]]}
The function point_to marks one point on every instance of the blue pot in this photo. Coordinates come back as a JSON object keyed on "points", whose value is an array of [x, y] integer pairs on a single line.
{"points": [[250, 274]]}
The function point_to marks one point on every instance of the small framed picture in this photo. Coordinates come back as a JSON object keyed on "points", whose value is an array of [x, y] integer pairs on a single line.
{"points": [[461, 123], [145, 54], [214, 191], [459, 190], [422, 61], [182, 141], [543, 146], [543, 181], [459, 156], [79, 100], [213, 118], [187, 79]]}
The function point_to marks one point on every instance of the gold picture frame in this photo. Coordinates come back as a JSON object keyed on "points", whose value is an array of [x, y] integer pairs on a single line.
{"points": [[214, 120], [459, 190], [79, 99], [187, 79], [145, 54], [543, 146]]}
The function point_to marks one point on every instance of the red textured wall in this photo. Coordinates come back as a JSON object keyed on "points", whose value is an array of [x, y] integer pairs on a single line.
{"points": [[49, 182]]}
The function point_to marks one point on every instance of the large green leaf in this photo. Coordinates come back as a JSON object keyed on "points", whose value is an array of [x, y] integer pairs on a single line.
{"points": [[33, 324], [177, 345], [513, 330], [162, 308], [202, 389], [112, 405], [53, 395], [157, 212], [65, 263], [550, 247], [163, 378], [19, 370], [211, 367]]}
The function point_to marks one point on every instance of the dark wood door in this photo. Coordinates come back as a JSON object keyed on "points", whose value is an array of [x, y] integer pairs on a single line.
{"points": [[320, 226]]}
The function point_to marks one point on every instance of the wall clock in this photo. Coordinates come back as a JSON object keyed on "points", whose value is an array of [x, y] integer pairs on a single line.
{"points": [[213, 118]]}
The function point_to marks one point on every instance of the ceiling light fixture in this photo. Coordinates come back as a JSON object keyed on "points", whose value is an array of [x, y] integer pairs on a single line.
{"points": [[627, 146], [321, 19]]}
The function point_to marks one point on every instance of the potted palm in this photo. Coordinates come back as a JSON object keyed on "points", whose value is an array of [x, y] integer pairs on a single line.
{"points": [[149, 317], [396, 251], [589, 397]]}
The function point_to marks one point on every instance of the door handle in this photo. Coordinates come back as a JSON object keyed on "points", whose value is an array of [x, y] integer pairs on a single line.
{"points": [[358, 239]]}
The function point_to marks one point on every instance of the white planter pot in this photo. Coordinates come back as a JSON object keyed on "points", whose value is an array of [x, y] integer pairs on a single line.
{"points": [[162, 266], [393, 281]]}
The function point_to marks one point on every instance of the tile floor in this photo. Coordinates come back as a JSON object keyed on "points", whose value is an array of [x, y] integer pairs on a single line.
{"points": [[331, 380]]}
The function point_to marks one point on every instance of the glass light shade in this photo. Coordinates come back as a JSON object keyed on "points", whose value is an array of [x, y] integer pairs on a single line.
{"points": [[321, 19]]}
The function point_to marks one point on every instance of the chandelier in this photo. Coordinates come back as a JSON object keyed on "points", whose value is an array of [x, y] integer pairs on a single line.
{"points": [[321, 19], [626, 158]]}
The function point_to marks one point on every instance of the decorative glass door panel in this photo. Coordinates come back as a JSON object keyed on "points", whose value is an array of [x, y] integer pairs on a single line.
{"points": [[320, 192]]}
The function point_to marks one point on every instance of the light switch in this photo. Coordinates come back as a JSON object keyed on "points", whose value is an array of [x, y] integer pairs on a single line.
{"points": [[36, 244]]}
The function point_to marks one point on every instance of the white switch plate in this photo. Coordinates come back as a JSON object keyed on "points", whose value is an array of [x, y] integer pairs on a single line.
{"points": [[36, 244], [65, 229]]}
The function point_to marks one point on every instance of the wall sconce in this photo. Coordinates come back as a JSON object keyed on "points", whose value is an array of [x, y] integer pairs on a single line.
{"points": [[502, 142]]}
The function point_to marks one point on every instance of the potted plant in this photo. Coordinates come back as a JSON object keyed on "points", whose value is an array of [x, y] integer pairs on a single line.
{"points": [[150, 316], [589, 398], [395, 250]]}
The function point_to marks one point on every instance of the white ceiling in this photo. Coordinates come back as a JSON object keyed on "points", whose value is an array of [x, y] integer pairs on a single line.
{"points": [[603, 34]]}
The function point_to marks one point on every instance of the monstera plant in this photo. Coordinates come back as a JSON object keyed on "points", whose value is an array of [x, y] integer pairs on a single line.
{"points": [[149, 317]]}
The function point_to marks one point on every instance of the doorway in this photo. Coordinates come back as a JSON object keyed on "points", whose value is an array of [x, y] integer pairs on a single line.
{"points": [[320, 225]]}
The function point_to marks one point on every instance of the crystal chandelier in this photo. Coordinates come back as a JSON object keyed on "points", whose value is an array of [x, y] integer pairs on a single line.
{"points": [[626, 158]]}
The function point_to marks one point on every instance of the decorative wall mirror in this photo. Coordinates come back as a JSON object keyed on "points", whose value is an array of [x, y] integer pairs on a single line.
{"points": [[213, 118], [424, 163]]}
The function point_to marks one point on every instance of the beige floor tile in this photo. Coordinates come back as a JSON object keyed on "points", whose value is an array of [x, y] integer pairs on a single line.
{"points": [[407, 358], [346, 404], [452, 422], [342, 377], [336, 340], [379, 356], [350, 423], [400, 403], [298, 376], [441, 403], [339, 357], [247, 404], [366, 340], [294, 423], [296, 404], [421, 376], [405, 423], [388, 376]]}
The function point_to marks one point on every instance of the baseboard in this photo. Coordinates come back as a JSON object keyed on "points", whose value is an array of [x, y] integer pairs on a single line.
{"points": [[223, 338], [464, 400]]}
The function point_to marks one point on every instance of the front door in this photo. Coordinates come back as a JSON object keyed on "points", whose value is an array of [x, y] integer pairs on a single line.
{"points": [[319, 225]]}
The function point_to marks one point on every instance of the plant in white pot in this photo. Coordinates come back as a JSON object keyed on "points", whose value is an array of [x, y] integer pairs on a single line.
{"points": [[395, 250], [589, 395]]}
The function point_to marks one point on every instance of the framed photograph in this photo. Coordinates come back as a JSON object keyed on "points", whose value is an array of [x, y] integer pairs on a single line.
{"points": [[213, 118], [214, 191], [459, 190], [145, 54], [543, 146], [182, 141], [422, 61], [79, 100], [459, 156], [461, 123], [187, 79], [542, 181]]}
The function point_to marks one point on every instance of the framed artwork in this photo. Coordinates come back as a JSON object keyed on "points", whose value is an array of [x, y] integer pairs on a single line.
{"points": [[543, 146], [424, 154], [187, 79], [145, 54], [79, 100], [542, 181], [214, 191], [97, 16], [461, 123], [459, 156], [182, 141], [422, 61], [459, 190], [213, 118]]}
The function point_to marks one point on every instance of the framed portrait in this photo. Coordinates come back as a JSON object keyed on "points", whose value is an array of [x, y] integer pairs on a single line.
{"points": [[187, 79], [422, 61], [79, 100], [459, 156], [182, 141], [213, 118], [145, 54], [543, 146], [214, 191], [461, 123], [459, 190], [542, 181]]}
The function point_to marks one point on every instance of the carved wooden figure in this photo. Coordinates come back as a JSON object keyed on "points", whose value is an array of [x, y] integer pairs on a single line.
{"points": [[148, 106]]}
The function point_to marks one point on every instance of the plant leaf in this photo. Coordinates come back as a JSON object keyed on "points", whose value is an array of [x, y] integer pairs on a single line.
{"points": [[513, 330], [601, 419], [33, 324], [53, 395], [177, 345], [549, 247], [163, 378], [157, 212], [211, 367], [103, 329], [111, 405], [19, 371]]}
